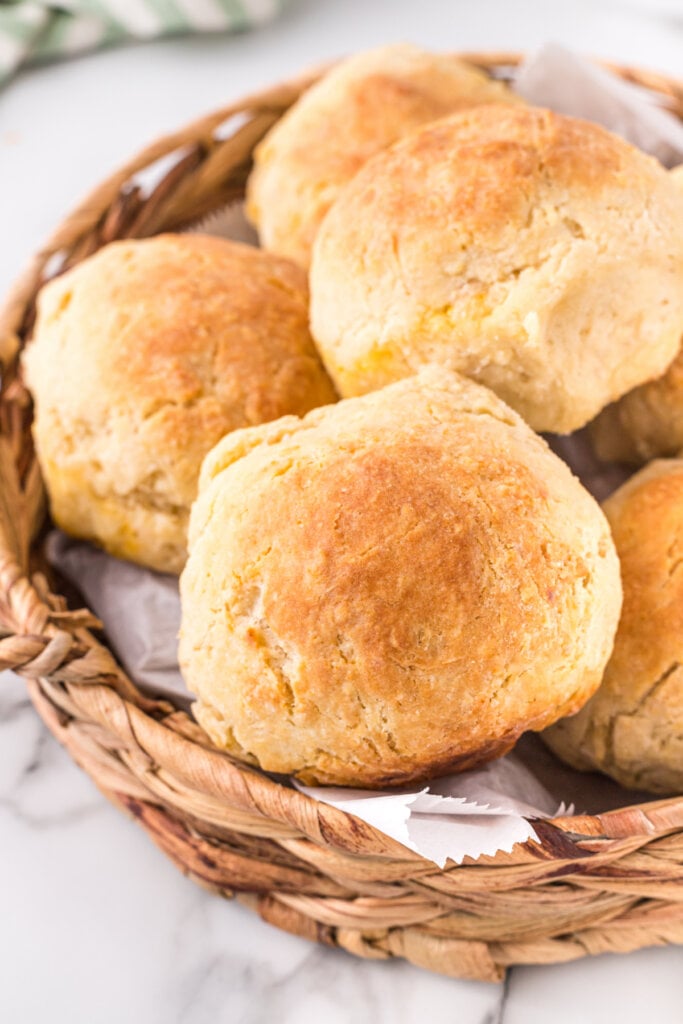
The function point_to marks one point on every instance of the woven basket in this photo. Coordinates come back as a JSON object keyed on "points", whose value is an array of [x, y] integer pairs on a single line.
{"points": [[613, 882]]}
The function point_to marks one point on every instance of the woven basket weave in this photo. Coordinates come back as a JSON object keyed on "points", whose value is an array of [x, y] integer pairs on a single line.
{"points": [[612, 882]]}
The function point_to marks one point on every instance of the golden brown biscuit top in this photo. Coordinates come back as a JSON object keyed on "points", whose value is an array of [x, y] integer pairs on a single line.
{"points": [[364, 553], [361, 106], [646, 517], [490, 168], [381, 94], [632, 728], [177, 318], [538, 254], [143, 357]]}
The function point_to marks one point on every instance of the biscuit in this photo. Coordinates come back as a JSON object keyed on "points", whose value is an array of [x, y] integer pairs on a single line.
{"points": [[360, 107], [632, 729], [648, 421], [535, 253], [392, 587], [143, 357]]}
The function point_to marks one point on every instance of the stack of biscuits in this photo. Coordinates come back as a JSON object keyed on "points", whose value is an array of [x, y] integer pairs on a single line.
{"points": [[386, 574]]}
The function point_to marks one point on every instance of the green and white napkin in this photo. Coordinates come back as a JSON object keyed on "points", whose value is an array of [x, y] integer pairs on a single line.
{"points": [[37, 30]]}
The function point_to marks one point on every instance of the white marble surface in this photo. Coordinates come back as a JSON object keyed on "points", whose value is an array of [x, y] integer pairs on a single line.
{"points": [[95, 925]]}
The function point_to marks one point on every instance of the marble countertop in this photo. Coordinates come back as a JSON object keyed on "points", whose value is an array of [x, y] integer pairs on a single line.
{"points": [[96, 926]]}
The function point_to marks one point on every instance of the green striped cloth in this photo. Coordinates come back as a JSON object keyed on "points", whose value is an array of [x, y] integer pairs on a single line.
{"points": [[32, 30]]}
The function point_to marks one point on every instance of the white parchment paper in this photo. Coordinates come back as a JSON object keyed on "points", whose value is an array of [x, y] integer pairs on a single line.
{"points": [[458, 816], [573, 85]]}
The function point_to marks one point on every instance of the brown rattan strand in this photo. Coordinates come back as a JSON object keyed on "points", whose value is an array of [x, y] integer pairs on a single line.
{"points": [[611, 882]]}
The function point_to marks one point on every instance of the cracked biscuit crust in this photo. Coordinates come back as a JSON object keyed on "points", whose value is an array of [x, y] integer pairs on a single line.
{"points": [[143, 357], [392, 587], [535, 253], [357, 109], [632, 729]]}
